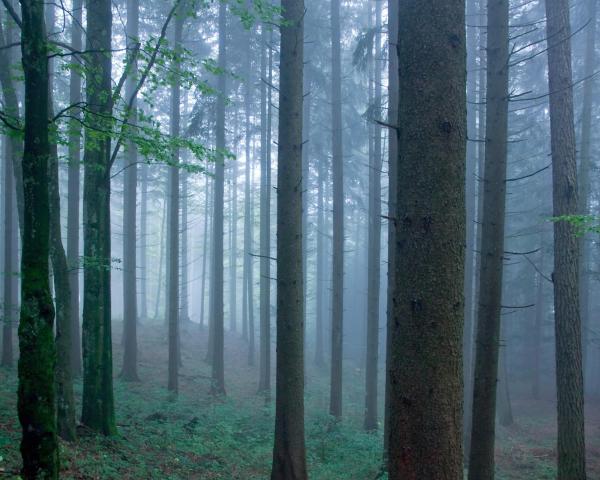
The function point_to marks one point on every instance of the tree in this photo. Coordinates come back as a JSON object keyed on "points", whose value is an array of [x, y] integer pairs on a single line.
{"points": [[172, 304], [36, 395], [98, 401], [129, 370], [289, 456], [481, 458], [74, 179], [264, 382], [337, 309], [218, 365], [65, 401], [569, 372], [374, 244], [425, 361]]}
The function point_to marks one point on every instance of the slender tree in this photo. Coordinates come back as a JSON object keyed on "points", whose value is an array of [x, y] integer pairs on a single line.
{"points": [[74, 180], [129, 370], [289, 456], [98, 401], [36, 393], [337, 308], [569, 372], [425, 361], [218, 366], [374, 244], [481, 459], [173, 200]]}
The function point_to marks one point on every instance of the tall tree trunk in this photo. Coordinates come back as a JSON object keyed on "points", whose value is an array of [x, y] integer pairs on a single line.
{"points": [[129, 371], [172, 304], [144, 244], [65, 401], [425, 362], [248, 294], [13, 186], [393, 92], [289, 455], [540, 314], [98, 412], [320, 280], [159, 281], [233, 247], [185, 275], [337, 308], [264, 382], [481, 456], [36, 393], [10, 267], [470, 193], [374, 245], [74, 179], [218, 365], [584, 173], [569, 372], [206, 245]]}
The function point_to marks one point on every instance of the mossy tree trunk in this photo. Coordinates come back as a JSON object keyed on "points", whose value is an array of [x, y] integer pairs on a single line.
{"points": [[98, 401], [36, 393]]}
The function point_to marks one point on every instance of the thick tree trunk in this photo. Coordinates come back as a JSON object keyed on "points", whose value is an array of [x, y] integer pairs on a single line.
{"points": [[172, 304], [74, 179], [337, 307], [374, 246], [98, 402], [289, 455], [129, 371], [481, 456], [264, 382], [569, 372], [425, 362], [218, 365], [36, 393]]}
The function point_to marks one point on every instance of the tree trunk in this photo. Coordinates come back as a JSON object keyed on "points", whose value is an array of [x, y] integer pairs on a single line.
{"points": [[74, 179], [206, 245], [393, 92], [425, 362], [320, 281], [289, 455], [129, 371], [374, 245], [98, 402], [218, 366], [65, 401], [481, 456], [233, 247], [584, 174], [172, 304], [264, 383], [540, 314], [144, 244], [337, 308], [36, 393], [569, 372]]}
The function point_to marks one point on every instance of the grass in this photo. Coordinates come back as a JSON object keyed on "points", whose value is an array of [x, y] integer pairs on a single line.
{"points": [[196, 436]]}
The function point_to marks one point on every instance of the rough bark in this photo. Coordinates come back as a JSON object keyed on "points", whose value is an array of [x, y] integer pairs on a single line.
{"points": [[425, 363], [36, 393], [569, 371], [481, 456], [129, 370], [289, 455], [98, 401], [218, 366], [337, 307]]}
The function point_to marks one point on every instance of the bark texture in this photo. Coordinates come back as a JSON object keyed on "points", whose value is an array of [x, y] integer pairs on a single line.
{"points": [[425, 363]]}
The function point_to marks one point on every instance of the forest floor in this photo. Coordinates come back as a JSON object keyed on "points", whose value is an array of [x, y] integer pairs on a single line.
{"points": [[198, 437]]}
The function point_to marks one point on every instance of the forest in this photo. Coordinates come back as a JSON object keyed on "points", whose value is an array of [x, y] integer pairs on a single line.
{"points": [[337, 240]]}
